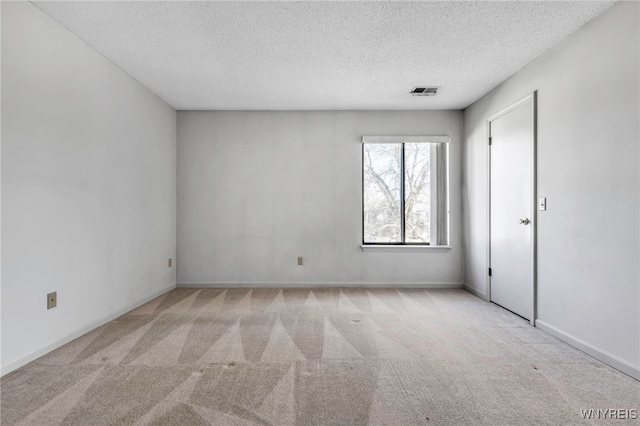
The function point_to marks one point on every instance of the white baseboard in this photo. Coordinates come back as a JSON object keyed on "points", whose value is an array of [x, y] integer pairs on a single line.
{"points": [[298, 284], [26, 359], [476, 292], [602, 355]]}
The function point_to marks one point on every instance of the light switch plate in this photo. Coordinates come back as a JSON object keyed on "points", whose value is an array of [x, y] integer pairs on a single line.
{"points": [[542, 204]]}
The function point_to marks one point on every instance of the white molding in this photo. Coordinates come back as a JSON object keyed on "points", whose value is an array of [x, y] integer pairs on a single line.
{"points": [[600, 354], [298, 284], [488, 211], [531, 97], [32, 356], [512, 106], [403, 247], [476, 292], [410, 139]]}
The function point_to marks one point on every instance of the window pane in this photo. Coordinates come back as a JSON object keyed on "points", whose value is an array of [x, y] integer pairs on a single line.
{"points": [[417, 190], [382, 193]]}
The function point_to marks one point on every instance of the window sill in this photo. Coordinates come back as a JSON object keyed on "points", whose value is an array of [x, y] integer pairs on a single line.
{"points": [[405, 248]]}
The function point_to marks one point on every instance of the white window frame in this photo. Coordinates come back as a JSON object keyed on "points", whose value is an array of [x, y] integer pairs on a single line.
{"points": [[410, 247]]}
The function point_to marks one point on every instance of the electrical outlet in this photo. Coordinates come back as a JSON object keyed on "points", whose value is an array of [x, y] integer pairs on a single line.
{"points": [[300, 261], [52, 300], [170, 262]]}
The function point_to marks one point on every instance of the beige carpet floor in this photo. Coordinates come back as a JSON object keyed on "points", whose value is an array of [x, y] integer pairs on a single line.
{"points": [[315, 357]]}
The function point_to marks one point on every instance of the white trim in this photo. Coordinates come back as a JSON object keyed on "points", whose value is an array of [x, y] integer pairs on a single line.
{"points": [[488, 211], [298, 284], [531, 97], [401, 139], [476, 292], [433, 196], [534, 206], [32, 356], [511, 107], [600, 354], [403, 247]]}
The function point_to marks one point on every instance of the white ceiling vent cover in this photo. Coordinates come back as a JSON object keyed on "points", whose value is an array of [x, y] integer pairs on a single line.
{"points": [[424, 91]]}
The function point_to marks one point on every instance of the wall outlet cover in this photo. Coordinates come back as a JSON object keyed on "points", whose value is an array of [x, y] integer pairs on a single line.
{"points": [[52, 300]]}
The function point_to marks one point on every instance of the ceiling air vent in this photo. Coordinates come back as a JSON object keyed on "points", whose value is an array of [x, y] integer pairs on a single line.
{"points": [[424, 91]]}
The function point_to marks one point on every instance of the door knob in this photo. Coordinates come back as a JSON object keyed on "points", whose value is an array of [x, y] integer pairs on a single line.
{"points": [[524, 221]]}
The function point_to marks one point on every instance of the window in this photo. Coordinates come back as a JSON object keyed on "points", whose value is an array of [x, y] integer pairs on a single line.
{"points": [[404, 190]]}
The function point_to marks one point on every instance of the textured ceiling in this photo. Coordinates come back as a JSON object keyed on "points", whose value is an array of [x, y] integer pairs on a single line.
{"points": [[321, 55]]}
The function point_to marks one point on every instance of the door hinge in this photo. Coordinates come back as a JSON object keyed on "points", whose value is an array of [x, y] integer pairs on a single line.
{"points": [[489, 271], [490, 141]]}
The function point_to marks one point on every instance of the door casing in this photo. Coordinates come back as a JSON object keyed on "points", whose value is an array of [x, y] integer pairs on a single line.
{"points": [[532, 98]]}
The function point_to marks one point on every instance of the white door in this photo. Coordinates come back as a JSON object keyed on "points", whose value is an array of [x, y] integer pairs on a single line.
{"points": [[511, 208]]}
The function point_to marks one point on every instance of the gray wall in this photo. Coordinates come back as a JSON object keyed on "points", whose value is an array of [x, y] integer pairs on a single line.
{"points": [[88, 187], [258, 189], [588, 168]]}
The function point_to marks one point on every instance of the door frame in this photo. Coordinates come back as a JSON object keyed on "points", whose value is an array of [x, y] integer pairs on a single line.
{"points": [[532, 98]]}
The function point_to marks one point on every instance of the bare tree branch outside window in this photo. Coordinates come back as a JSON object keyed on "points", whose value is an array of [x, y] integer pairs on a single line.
{"points": [[382, 164]]}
